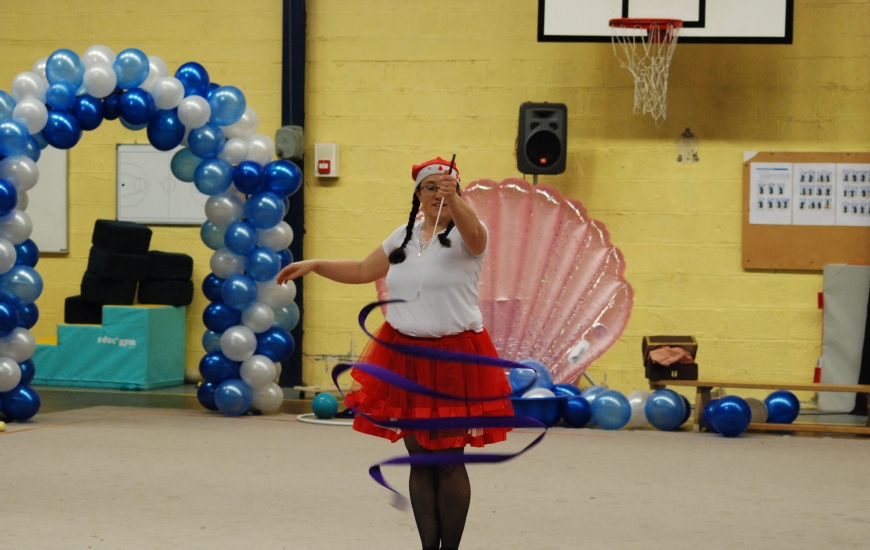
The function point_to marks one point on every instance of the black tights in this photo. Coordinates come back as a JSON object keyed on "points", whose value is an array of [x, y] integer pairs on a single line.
{"points": [[440, 496]]}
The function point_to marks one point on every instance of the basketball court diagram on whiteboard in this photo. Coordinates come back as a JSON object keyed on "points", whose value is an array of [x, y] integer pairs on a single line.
{"points": [[704, 22], [148, 192]]}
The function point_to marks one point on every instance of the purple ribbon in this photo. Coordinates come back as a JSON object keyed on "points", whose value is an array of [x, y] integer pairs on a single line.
{"points": [[426, 424]]}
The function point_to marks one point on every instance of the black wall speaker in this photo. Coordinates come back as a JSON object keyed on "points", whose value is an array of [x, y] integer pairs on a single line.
{"points": [[542, 142]]}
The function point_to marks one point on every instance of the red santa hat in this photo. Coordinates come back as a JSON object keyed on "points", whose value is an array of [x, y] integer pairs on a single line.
{"points": [[435, 166]]}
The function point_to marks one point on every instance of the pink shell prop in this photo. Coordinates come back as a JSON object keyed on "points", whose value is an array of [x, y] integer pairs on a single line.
{"points": [[551, 278]]}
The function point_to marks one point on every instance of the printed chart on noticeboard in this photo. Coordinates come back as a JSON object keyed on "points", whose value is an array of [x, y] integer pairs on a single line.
{"points": [[805, 210]]}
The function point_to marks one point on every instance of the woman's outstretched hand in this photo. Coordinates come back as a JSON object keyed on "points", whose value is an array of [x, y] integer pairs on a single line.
{"points": [[296, 270]]}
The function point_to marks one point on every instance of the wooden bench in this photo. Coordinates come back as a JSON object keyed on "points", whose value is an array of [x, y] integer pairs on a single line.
{"points": [[704, 387]]}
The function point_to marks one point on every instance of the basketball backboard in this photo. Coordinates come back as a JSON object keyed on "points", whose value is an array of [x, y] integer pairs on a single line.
{"points": [[704, 21]]}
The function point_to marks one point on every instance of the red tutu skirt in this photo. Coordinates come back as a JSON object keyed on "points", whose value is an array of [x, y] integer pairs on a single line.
{"points": [[382, 401]]}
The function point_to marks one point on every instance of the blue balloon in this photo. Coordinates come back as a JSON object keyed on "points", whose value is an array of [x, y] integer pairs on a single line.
{"points": [[282, 177], [137, 107], [287, 317], [212, 87], [248, 177], [324, 406], [782, 407], [8, 318], [241, 238], [218, 317], [522, 380], [611, 410], [111, 105], [262, 264], [275, 343], [732, 416], [60, 96], [211, 341], [32, 150], [576, 411], [592, 392], [165, 130], [211, 287], [28, 315], [566, 390], [233, 397], [239, 292], [28, 371], [688, 406], [20, 285], [131, 126], [665, 409], [264, 210], [544, 379], [194, 78], [62, 131], [7, 105], [27, 253], [709, 413], [89, 111], [65, 66], [13, 137], [215, 367], [286, 257], [207, 141], [184, 164], [212, 235], [131, 67], [213, 176], [8, 197], [205, 395], [20, 403], [227, 105], [40, 139]]}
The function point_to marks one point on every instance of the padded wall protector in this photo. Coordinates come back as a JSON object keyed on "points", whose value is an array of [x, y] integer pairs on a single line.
{"points": [[163, 266], [108, 291], [78, 311], [170, 293], [124, 237], [116, 265]]}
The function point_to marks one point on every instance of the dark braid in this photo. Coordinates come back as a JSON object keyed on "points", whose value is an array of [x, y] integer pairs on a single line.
{"points": [[442, 237], [397, 256]]}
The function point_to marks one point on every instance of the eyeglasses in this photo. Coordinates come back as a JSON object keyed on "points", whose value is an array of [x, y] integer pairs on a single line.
{"points": [[429, 189]]}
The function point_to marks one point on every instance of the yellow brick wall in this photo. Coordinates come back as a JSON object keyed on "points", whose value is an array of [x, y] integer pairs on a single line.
{"points": [[238, 43], [395, 83]]}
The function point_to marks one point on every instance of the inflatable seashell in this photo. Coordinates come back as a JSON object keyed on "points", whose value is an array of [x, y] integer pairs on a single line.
{"points": [[552, 286]]}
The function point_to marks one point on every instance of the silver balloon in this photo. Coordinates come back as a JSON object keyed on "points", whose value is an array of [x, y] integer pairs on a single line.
{"points": [[277, 238], [238, 343], [235, 151], [16, 227], [19, 345], [277, 372], [100, 80], [168, 92], [10, 374], [275, 295], [224, 209], [39, 67], [23, 200], [268, 399], [98, 54], [259, 317], [20, 171], [758, 410], [536, 393], [29, 84], [157, 69], [245, 127], [32, 113], [637, 401], [258, 371], [194, 111], [223, 263], [8, 255], [262, 148]]}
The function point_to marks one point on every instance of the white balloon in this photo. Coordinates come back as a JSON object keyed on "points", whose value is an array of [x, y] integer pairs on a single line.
{"points": [[23, 201], [19, 345], [224, 263], [277, 372], [8, 255], [157, 69], [245, 127], [224, 209], [277, 238], [235, 151], [167, 91], [20, 171], [16, 227], [29, 84], [100, 80], [268, 399], [194, 111], [98, 54], [537, 393], [39, 67], [259, 317], [238, 343], [32, 113], [637, 401], [262, 149], [274, 295], [258, 371], [10, 374]]}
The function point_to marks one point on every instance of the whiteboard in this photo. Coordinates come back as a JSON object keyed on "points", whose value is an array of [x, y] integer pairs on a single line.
{"points": [[47, 202], [149, 193]]}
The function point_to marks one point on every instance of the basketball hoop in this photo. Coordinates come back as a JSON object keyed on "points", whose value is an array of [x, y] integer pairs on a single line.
{"points": [[645, 47]]}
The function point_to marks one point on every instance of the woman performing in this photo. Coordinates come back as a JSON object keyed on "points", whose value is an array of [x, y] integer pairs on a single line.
{"points": [[438, 278]]}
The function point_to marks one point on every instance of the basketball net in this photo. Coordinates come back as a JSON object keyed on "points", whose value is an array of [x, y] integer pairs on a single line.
{"points": [[645, 47]]}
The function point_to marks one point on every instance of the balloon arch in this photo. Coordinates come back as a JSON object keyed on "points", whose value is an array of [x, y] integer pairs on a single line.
{"points": [[250, 315]]}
